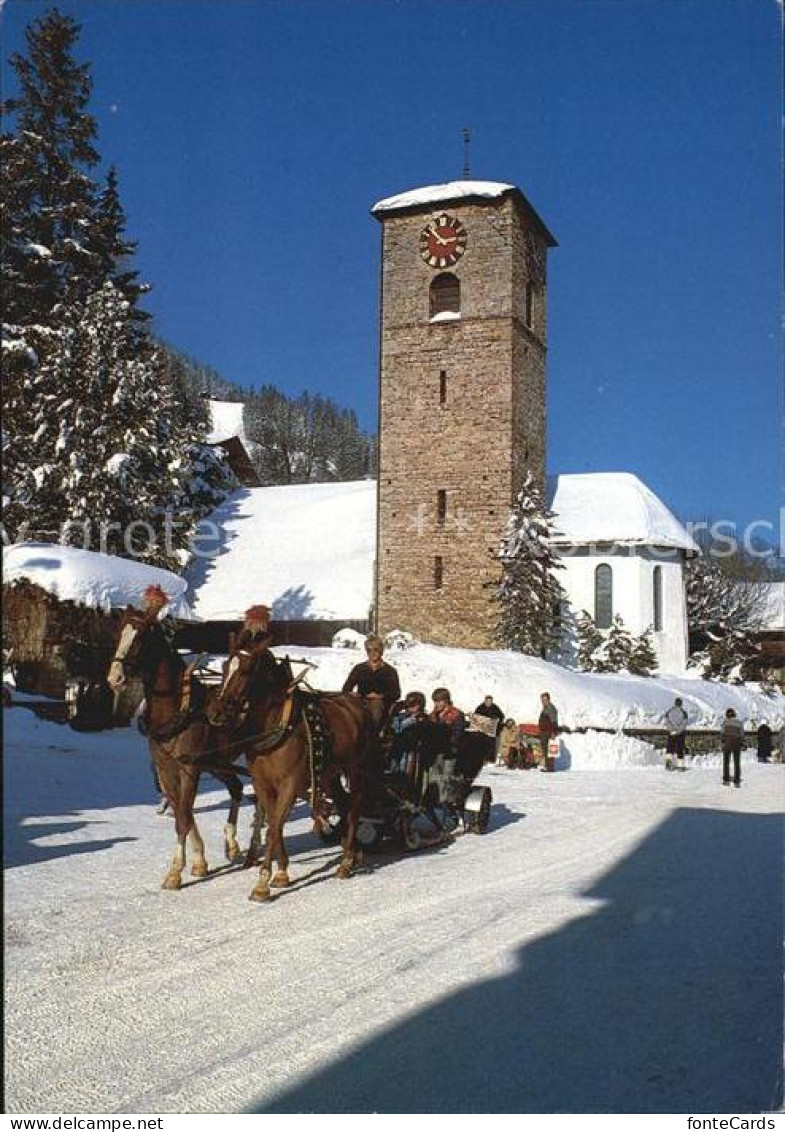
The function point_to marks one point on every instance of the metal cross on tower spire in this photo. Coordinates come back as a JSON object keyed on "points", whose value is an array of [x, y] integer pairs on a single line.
{"points": [[467, 137]]}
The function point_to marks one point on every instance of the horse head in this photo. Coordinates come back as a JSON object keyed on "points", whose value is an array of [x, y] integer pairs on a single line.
{"points": [[134, 651], [246, 673]]}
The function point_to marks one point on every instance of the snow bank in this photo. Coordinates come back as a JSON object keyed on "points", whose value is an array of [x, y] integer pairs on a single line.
{"points": [[598, 750], [101, 581], [583, 699], [348, 639]]}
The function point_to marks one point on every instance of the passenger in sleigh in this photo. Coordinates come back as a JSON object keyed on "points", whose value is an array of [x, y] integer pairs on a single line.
{"points": [[407, 732]]}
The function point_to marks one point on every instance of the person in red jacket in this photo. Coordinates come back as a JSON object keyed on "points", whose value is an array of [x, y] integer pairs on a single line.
{"points": [[446, 713]]}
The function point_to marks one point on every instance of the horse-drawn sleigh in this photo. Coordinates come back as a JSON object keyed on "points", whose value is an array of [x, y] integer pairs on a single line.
{"points": [[298, 743]]}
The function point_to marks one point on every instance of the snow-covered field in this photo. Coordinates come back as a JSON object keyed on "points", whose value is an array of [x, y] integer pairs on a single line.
{"points": [[612, 944]]}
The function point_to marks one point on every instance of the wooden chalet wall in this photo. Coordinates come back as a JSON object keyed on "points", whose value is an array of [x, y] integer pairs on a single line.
{"points": [[53, 641]]}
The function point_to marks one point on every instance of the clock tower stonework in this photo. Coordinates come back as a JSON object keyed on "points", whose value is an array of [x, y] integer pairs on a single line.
{"points": [[462, 400]]}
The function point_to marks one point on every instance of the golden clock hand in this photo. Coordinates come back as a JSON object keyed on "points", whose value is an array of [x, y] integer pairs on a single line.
{"points": [[436, 236]]}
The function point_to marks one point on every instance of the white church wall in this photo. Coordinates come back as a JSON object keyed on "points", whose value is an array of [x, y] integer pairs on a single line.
{"points": [[633, 594]]}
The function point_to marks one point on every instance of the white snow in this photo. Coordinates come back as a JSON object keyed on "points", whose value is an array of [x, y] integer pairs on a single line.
{"points": [[117, 464], [613, 507], [583, 699], [101, 581], [226, 420], [582, 956], [348, 639], [446, 316], [773, 613], [448, 191], [306, 551]]}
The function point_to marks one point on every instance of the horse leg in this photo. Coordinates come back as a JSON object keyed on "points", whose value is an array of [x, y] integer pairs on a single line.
{"points": [[190, 780], [286, 800], [171, 782], [232, 849], [252, 856], [262, 889], [351, 855]]}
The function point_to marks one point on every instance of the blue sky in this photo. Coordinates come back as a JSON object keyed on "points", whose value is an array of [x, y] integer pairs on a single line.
{"points": [[253, 136]]}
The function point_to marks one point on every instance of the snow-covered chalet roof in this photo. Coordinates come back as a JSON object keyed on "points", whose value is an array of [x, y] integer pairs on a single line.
{"points": [[612, 507], [305, 550], [101, 581], [226, 420]]}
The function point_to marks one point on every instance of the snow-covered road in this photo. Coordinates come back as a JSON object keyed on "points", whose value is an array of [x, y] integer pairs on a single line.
{"points": [[611, 945]]}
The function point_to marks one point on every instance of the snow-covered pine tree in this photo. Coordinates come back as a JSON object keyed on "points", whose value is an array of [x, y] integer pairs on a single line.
{"points": [[203, 478], [589, 640], [106, 462], [47, 188], [723, 613], [115, 252], [643, 659], [616, 650], [529, 591]]}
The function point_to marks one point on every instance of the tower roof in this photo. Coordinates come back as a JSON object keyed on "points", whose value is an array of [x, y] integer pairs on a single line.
{"points": [[455, 192]]}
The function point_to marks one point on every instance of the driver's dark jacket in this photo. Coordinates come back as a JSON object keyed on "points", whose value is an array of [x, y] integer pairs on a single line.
{"points": [[383, 682]]}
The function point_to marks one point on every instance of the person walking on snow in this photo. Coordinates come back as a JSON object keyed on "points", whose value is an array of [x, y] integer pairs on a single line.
{"points": [[732, 740], [676, 721], [549, 727]]}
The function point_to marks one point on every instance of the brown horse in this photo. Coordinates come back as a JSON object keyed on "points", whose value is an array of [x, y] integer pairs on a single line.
{"points": [[259, 695], [181, 742]]}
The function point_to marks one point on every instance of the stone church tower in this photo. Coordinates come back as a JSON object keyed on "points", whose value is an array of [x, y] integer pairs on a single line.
{"points": [[462, 399]]}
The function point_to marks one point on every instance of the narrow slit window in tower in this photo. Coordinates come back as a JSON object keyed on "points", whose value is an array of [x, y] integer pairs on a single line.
{"points": [[441, 506], [443, 387], [438, 572]]}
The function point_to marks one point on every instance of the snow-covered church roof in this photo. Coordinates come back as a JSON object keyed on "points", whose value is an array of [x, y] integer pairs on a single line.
{"points": [[87, 577], [612, 507]]}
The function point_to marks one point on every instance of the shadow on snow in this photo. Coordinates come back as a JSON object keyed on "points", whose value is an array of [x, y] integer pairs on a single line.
{"points": [[668, 998]]}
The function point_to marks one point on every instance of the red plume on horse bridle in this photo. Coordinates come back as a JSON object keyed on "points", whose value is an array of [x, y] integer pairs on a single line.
{"points": [[257, 617], [154, 598]]}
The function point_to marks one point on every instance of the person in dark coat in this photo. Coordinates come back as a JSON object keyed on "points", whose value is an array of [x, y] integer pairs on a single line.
{"points": [[732, 740], [549, 726], [489, 710], [376, 681], [764, 737]]}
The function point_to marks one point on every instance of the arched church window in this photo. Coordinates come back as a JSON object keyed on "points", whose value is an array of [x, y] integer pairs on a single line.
{"points": [[603, 597], [445, 294], [657, 595]]}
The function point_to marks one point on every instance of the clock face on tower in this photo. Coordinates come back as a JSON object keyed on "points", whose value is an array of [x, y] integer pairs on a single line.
{"points": [[443, 241]]}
